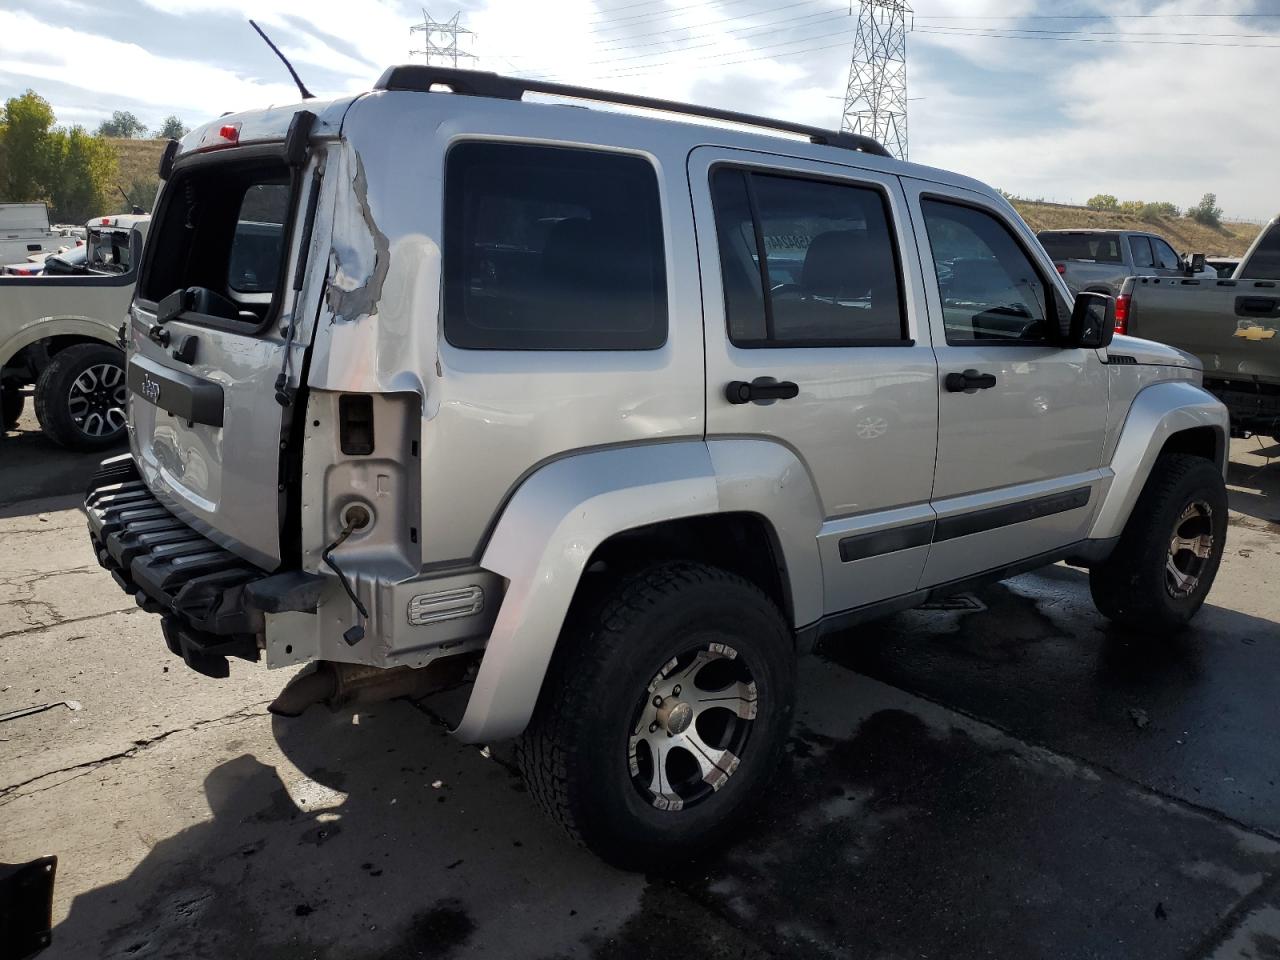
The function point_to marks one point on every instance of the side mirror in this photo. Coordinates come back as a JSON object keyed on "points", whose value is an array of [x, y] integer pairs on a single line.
{"points": [[1093, 320], [1192, 264]]}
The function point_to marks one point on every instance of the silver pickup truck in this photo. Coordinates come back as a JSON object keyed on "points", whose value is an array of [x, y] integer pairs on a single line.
{"points": [[59, 333], [1232, 325], [1100, 260]]}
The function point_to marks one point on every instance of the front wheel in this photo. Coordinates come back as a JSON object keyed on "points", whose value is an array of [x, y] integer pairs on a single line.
{"points": [[80, 397], [663, 717], [1168, 555]]}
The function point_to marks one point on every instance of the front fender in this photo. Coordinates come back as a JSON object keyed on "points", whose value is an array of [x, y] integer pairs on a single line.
{"points": [[1156, 414], [565, 510]]}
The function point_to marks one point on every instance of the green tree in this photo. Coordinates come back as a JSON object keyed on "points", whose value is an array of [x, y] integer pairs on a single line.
{"points": [[1206, 211], [122, 124], [82, 173], [24, 146], [1102, 201], [142, 190], [172, 129], [1132, 207]]}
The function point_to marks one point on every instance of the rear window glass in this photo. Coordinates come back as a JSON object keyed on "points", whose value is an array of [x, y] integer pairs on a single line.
{"points": [[1265, 262], [551, 248], [1103, 248], [220, 235]]}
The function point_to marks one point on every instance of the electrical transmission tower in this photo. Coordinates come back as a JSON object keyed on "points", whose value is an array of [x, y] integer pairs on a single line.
{"points": [[875, 101], [440, 40]]}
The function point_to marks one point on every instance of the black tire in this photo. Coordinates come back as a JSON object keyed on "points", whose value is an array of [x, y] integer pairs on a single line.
{"points": [[93, 419], [580, 755], [1134, 587], [11, 403]]}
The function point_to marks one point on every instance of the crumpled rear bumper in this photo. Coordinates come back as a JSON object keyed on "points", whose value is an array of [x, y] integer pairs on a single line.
{"points": [[211, 600]]}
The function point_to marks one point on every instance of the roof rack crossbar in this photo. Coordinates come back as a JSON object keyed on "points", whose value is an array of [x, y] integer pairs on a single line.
{"points": [[477, 83]]}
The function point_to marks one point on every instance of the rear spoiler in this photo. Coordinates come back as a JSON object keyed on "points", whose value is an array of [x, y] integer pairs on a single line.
{"points": [[292, 151]]}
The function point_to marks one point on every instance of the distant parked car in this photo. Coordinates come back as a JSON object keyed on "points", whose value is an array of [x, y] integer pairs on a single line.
{"points": [[27, 268], [1099, 260]]}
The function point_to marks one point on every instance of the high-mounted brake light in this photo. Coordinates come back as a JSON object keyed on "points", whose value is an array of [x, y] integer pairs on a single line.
{"points": [[106, 221], [1062, 269], [215, 138], [1122, 313]]}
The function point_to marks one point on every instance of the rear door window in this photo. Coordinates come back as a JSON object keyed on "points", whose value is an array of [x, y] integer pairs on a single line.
{"points": [[552, 248], [1141, 248], [220, 235], [1166, 259], [1265, 262], [806, 262]]}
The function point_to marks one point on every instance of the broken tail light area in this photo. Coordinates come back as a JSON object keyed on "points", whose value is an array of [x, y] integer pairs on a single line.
{"points": [[218, 138]]}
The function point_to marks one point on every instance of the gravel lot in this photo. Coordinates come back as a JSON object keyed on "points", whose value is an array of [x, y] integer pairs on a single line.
{"points": [[1017, 780]]}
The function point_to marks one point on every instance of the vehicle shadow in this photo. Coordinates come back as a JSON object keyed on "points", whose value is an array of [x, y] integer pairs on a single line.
{"points": [[1255, 487], [379, 838], [32, 467]]}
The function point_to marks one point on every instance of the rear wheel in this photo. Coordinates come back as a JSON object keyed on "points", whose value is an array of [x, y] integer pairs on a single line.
{"points": [[80, 397], [663, 716], [1167, 558]]}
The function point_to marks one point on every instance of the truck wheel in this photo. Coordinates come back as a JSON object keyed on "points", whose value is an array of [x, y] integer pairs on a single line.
{"points": [[80, 397], [662, 716], [1167, 557], [11, 403]]}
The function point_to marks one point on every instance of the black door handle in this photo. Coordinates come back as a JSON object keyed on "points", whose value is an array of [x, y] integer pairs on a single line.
{"points": [[1256, 306], [969, 381], [760, 390]]}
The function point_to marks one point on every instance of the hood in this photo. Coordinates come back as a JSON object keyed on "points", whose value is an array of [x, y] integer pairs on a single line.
{"points": [[1150, 353]]}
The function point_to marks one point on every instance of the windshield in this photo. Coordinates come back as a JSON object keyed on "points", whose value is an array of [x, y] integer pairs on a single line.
{"points": [[108, 251]]}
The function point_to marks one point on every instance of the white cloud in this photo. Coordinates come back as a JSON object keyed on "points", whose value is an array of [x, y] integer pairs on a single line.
{"points": [[1042, 118], [1146, 121], [42, 51]]}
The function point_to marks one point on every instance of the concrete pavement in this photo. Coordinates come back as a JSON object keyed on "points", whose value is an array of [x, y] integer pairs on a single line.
{"points": [[1014, 780]]}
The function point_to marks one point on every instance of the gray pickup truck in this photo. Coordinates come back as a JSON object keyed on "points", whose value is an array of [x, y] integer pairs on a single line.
{"points": [[1232, 325], [1100, 260]]}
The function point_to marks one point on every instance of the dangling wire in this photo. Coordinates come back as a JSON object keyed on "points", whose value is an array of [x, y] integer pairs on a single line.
{"points": [[356, 633]]}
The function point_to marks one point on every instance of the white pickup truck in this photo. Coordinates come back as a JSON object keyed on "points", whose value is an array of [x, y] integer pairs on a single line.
{"points": [[25, 231], [59, 333]]}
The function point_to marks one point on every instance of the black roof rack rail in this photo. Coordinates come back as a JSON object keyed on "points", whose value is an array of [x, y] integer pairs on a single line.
{"points": [[477, 83]]}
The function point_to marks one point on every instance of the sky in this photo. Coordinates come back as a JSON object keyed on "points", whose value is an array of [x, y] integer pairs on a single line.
{"points": [[1054, 100]]}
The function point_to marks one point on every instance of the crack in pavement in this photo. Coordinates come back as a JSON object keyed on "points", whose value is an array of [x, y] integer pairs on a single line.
{"points": [[9, 793], [32, 628]]}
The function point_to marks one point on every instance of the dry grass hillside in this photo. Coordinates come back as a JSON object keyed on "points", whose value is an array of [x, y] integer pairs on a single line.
{"points": [[138, 158], [1183, 234]]}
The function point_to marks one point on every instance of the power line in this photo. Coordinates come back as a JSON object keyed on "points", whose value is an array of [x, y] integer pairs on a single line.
{"points": [[943, 32], [1097, 16]]}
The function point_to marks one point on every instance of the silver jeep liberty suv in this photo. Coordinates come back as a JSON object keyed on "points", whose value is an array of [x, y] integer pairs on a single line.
{"points": [[610, 416]]}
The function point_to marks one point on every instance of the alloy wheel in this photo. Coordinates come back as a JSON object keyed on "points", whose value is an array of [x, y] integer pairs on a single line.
{"points": [[1190, 549], [691, 726], [96, 400]]}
